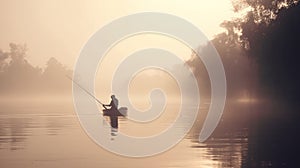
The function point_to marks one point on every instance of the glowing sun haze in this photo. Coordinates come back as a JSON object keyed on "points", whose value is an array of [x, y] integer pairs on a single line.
{"points": [[60, 28]]}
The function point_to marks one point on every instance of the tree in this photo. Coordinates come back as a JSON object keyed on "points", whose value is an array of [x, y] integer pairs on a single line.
{"points": [[240, 75], [18, 76], [270, 35], [3, 60], [54, 76]]}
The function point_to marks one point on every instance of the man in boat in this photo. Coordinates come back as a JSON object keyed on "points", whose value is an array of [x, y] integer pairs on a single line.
{"points": [[113, 111]]}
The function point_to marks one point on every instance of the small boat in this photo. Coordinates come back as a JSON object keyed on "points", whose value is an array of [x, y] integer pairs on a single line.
{"points": [[122, 112]]}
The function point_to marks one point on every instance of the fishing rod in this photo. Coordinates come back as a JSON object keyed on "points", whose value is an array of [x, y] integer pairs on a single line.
{"points": [[84, 90]]}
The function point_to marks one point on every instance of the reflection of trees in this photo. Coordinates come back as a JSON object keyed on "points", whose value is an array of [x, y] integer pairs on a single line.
{"points": [[229, 149], [13, 133], [56, 124], [17, 75]]}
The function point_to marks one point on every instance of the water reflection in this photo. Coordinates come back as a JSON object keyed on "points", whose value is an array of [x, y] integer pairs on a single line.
{"points": [[54, 137], [36, 130], [13, 133], [56, 123], [18, 123], [226, 150]]}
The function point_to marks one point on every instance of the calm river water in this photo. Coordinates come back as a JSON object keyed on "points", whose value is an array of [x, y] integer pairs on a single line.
{"points": [[49, 135]]}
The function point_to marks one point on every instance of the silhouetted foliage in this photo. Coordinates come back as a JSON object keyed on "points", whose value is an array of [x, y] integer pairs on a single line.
{"points": [[270, 33], [55, 75], [265, 44], [18, 76], [240, 73]]}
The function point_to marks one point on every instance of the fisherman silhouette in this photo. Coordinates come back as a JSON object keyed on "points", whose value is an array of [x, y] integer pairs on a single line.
{"points": [[113, 112]]}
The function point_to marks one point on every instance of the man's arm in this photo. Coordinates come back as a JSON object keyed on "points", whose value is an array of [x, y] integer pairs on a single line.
{"points": [[107, 105]]}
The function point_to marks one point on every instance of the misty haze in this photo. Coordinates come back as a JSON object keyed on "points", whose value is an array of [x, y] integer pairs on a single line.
{"points": [[257, 42]]}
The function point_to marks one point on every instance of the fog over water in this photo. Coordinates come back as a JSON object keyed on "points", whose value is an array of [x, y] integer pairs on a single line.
{"points": [[259, 127]]}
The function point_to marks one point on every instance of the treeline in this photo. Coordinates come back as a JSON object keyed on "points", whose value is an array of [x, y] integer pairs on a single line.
{"points": [[241, 76], [18, 76], [268, 36], [260, 51]]}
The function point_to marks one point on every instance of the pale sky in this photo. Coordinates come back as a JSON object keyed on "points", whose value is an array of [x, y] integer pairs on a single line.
{"points": [[60, 28]]}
